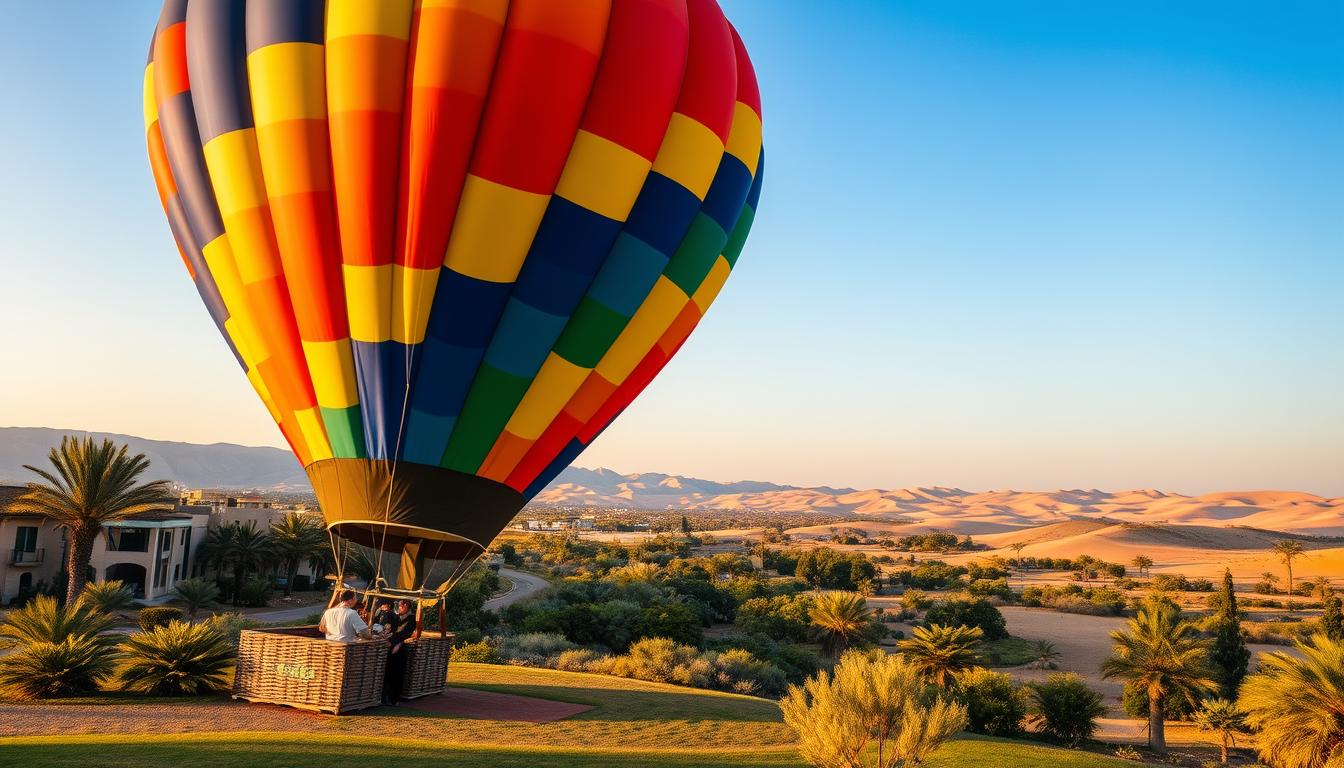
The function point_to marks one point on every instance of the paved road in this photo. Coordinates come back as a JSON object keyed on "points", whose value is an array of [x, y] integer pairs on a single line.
{"points": [[525, 585]]}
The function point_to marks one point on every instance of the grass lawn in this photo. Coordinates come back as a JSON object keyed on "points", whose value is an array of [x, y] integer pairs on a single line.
{"points": [[634, 724], [285, 750], [1008, 652]]}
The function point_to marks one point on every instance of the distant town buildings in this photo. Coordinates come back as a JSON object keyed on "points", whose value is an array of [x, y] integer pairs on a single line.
{"points": [[151, 551], [584, 523]]}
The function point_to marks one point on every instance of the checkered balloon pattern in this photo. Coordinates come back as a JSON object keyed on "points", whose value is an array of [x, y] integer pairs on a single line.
{"points": [[457, 233]]}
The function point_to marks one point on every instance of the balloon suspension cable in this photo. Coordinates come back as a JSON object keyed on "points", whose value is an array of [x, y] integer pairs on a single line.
{"points": [[411, 349], [337, 555]]}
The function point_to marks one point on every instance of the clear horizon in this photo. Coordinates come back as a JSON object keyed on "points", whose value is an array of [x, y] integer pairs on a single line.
{"points": [[1048, 246]]}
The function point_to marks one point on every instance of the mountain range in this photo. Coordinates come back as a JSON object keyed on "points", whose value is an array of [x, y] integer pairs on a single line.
{"points": [[224, 465]]}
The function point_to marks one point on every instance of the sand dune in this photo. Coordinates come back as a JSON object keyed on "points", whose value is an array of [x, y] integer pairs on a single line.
{"points": [[956, 510]]}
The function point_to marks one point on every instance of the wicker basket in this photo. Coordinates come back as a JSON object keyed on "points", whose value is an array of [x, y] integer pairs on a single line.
{"points": [[427, 664], [297, 667]]}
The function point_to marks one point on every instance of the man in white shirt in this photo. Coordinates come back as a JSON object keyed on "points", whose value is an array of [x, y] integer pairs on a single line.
{"points": [[341, 623]]}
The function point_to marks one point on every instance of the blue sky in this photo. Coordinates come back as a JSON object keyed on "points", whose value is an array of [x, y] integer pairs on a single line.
{"points": [[1000, 245]]}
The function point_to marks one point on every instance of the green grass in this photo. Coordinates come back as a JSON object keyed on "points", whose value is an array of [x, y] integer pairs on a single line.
{"points": [[294, 750], [1008, 652], [634, 724]]}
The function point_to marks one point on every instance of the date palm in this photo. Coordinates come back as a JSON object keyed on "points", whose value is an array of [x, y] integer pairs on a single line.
{"points": [[89, 484], [1044, 655], [297, 538], [940, 652], [1221, 717], [1287, 551], [839, 619], [55, 649], [1296, 705], [1163, 655]]}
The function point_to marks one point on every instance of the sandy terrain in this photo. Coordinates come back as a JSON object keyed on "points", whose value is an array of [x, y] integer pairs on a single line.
{"points": [[953, 509]]}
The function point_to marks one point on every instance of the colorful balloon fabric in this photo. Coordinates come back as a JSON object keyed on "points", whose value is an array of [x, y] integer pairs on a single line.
{"points": [[449, 241]]}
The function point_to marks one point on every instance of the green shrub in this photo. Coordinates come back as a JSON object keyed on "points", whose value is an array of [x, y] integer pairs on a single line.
{"points": [[195, 594], [534, 648], [231, 625], [1065, 709], [108, 597], [913, 600], [969, 613], [177, 659], [158, 616], [77, 664], [479, 652], [995, 705], [670, 620], [1134, 700], [575, 660], [46, 620], [780, 618], [256, 593]]}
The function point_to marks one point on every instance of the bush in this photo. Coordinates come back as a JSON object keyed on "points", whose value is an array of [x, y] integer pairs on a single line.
{"points": [[177, 659], [1066, 709], [158, 616], [995, 705], [872, 701], [534, 648], [575, 660], [670, 620], [256, 593], [77, 664], [915, 600], [231, 625], [479, 652], [108, 597], [780, 618], [969, 613], [196, 593], [1134, 700]]}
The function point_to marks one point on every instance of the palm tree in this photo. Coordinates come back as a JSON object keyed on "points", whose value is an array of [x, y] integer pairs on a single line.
{"points": [[940, 652], [296, 538], [1163, 654], [1143, 563], [1270, 580], [840, 618], [1288, 551], [1223, 718], [195, 594], [1297, 705], [177, 659], [249, 550], [1044, 655], [108, 597], [92, 484]]}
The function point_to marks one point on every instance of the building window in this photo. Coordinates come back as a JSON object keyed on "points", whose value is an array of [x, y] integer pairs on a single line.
{"points": [[25, 538], [177, 573], [167, 543], [128, 539]]}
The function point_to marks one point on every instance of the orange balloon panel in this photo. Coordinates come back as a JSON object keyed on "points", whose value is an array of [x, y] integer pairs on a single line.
{"points": [[450, 240]]}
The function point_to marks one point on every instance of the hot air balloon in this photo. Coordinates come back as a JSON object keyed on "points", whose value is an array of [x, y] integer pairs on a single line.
{"points": [[449, 241]]}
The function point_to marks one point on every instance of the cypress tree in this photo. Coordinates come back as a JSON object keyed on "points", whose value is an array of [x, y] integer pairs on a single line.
{"points": [[1332, 621], [1229, 655]]}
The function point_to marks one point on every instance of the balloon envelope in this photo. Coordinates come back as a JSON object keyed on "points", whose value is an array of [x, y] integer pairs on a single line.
{"points": [[450, 240]]}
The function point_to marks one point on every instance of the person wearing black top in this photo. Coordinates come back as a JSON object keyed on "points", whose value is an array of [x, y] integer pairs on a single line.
{"points": [[382, 615], [403, 628]]}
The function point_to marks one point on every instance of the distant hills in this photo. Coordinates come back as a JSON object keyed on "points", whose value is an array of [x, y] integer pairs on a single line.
{"points": [[224, 465], [220, 465]]}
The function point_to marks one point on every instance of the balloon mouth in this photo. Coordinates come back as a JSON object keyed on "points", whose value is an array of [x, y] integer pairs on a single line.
{"points": [[424, 513]]}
